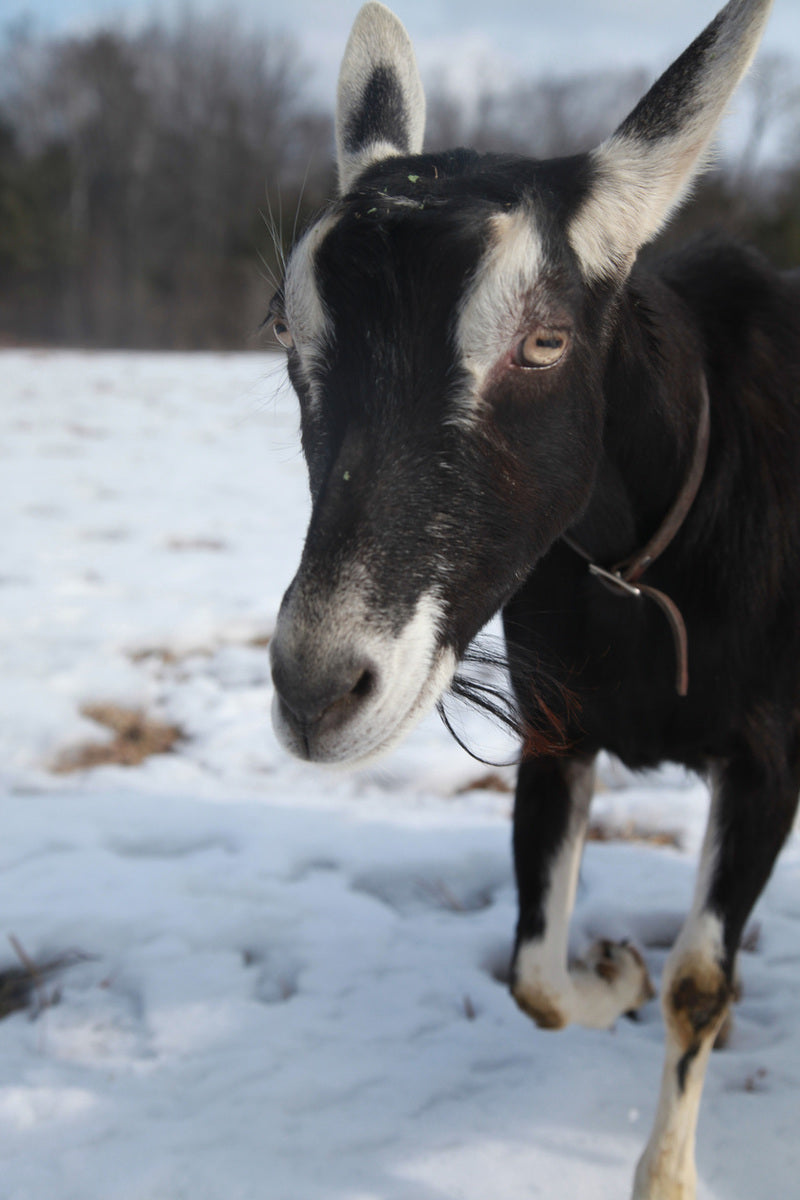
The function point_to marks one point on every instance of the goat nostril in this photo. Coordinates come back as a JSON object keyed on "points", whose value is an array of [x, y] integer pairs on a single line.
{"points": [[314, 703], [363, 685]]}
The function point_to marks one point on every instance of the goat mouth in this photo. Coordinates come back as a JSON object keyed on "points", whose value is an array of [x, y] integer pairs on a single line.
{"points": [[357, 734]]}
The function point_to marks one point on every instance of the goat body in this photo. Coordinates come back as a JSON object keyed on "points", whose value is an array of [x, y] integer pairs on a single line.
{"points": [[487, 380]]}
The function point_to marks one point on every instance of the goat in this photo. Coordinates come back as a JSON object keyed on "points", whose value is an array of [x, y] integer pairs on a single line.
{"points": [[502, 411]]}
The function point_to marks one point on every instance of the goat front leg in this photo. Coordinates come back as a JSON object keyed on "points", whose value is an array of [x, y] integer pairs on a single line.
{"points": [[751, 814], [551, 813]]}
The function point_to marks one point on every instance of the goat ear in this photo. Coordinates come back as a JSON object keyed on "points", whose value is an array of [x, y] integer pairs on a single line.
{"points": [[380, 106], [643, 171]]}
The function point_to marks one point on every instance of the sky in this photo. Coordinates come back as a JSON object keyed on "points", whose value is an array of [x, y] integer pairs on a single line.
{"points": [[469, 47], [465, 39]]}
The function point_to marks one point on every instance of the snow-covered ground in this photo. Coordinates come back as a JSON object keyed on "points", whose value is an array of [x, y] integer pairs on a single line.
{"points": [[287, 986]]}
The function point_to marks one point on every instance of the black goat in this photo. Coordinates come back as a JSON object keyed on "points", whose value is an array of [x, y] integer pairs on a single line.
{"points": [[501, 410]]}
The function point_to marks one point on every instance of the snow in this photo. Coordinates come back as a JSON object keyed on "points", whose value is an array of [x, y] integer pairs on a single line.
{"points": [[284, 979]]}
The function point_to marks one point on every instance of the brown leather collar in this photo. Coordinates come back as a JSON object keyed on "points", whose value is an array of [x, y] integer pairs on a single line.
{"points": [[624, 577]]}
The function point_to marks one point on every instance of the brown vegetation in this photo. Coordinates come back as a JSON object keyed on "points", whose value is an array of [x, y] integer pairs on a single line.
{"points": [[490, 782], [599, 831], [629, 831], [136, 737], [23, 986]]}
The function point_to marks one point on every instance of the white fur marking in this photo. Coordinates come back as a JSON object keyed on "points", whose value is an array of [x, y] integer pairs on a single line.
{"points": [[642, 181], [305, 314], [637, 190], [412, 669], [666, 1170], [493, 315]]}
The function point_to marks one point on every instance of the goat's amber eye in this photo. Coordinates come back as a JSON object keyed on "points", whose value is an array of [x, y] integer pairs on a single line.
{"points": [[542, 347], [281, 331]]}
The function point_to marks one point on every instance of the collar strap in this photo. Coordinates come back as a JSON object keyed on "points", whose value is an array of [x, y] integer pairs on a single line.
{"points": [[623, 579]]}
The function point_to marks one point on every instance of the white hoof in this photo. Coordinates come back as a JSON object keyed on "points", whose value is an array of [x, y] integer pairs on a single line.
{"points": [[612, 979], [621, 965]]}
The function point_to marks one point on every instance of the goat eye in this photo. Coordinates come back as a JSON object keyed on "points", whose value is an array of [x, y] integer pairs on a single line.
{"points": [[542, 347], [281, 331]]}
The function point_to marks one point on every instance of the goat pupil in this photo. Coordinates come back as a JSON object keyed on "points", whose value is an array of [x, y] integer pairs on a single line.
{"points": [[281, 331]]}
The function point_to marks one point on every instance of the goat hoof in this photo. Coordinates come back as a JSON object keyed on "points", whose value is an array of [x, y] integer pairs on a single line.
{"points": [[537, 1005], [622, 967], [649, 1187]]}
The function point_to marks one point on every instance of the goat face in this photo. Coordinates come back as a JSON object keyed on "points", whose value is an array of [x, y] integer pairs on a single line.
{"points": [[451, 421], [447, 323]]}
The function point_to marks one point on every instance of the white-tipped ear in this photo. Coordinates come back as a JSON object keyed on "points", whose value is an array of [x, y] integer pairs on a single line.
{"points": [[643, 172], [380, 105]]}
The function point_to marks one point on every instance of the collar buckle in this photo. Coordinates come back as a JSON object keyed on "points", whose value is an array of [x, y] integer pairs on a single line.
{"points": [[614, 581]]}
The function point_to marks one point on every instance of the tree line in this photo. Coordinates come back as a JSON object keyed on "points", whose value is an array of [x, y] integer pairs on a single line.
{"points": [[151, 182]]}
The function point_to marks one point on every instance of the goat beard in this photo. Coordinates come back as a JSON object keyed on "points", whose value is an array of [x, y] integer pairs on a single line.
{"points": [[536, 711]]}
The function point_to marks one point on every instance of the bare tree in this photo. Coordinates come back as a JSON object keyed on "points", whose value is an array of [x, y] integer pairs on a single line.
{"points": [[143, 176], [172, 137], [544, 118]]}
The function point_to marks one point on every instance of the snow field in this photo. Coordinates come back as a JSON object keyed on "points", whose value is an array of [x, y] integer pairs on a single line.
{"points": [[289, 985]]}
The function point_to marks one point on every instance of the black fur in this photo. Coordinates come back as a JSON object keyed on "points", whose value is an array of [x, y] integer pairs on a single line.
{"points": [[672, 98], [381, 114]]}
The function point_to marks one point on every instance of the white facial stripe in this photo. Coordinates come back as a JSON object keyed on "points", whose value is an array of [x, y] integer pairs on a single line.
{"points": [[305, 314], [493, 312]]}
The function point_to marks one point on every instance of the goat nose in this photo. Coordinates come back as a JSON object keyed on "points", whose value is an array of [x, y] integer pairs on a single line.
{"points": [[316, 698]]}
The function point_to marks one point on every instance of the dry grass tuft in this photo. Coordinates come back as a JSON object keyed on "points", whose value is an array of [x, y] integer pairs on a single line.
{"points": [[260, 641], [202, 544], [491, 782], [160, 654], [751, 941], [631, 832], [23, 987], [16, 990], [168, 656], [136, 737], [757, 1082]]}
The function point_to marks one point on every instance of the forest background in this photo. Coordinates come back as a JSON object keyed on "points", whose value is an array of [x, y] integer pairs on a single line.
{"points": [[152, 180]]}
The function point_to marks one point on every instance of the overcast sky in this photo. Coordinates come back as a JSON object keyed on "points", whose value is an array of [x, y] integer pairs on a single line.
{"points": [[524, 34], [467, 40]]}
